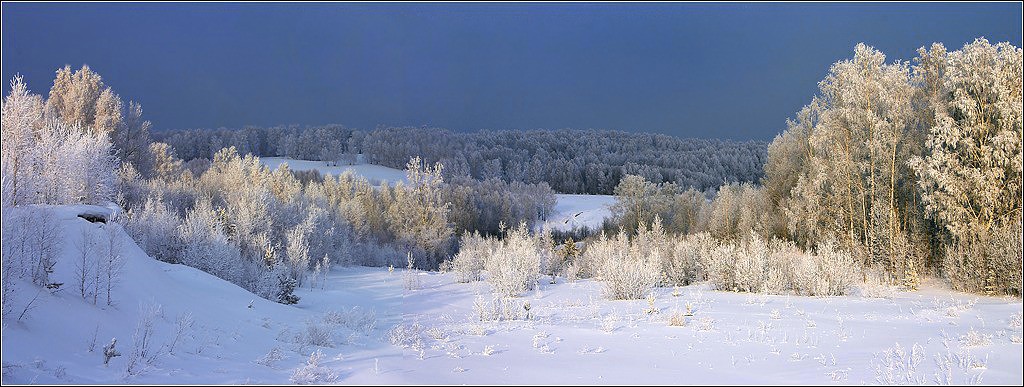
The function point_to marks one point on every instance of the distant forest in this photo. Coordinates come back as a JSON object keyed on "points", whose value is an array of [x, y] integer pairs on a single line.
{"points": [[570, 161]]}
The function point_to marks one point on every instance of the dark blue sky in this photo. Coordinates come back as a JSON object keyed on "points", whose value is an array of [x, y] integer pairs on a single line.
{"points": [[701, 70]]}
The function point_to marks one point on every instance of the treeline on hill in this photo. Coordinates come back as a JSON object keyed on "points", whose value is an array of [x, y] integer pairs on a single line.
{"points": [[907, 168], [570, 161]]}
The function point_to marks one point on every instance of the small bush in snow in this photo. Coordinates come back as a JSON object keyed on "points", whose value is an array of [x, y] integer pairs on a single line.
{"points": [[410, 281], [629, 270], [315, 334], [469, 262], [272, 357], [406, 336], [313, 372], [356, 319], [182, 326], [677, 319], [895, 366], [500, 309], [974, 338], [687, 261], [514, 266], [110, 352], [837, 270], [775, 267], [144, 353], [706, 324], [488, 350]]}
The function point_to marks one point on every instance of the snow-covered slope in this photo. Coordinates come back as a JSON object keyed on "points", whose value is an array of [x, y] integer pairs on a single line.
{"points": [[51, 344], [374, 173], [574, 336], [574, 211]]}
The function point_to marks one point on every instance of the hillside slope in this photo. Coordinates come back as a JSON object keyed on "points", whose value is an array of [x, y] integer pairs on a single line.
{"points": [[51, 343]]}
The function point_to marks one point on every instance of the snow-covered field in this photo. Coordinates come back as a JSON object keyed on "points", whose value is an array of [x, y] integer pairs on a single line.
{"points": [[573, 211], [374, 173], [571, 336]]}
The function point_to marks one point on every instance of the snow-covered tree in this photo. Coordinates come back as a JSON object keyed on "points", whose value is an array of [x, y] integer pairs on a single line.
{"points": [[154, 227], [841, 167], [109, 113], [74, 95], [49, 160], [163, 162], [131, 139], [22, 118], [514, 264], [111, 263], [205, 246], [419, 215], [970, 174]]}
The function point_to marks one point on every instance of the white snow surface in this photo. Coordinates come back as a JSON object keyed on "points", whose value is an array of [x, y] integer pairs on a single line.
{"points": [[573, 337], [374, 173], [575, 211]]}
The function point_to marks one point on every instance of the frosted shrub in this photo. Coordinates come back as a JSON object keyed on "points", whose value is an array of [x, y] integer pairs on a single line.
{"points": [[271, 358], [837, 270], [110, 352], [356, 319], [313, 372], [406, 336], [974, 338], [155, 228], [572, 270], [988, 263], [895, 366], [751, 266], [206, 246], [876, 284], [779, 267], [514, 267], [677, 319], [629, 278], [410, 279], [780, 273], [469, 262], [183, 325], [722, 266], [315, 334], [500, 309], [143, 354], [688, 261], [803, 273], [628, 272]]}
